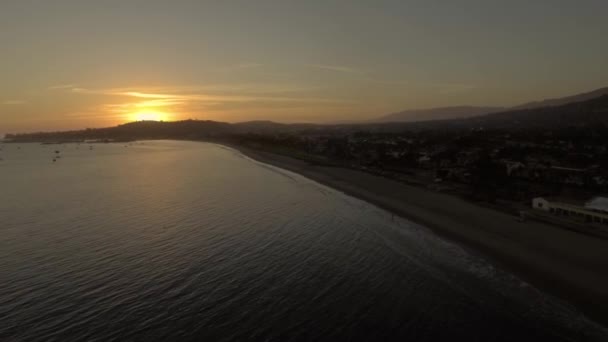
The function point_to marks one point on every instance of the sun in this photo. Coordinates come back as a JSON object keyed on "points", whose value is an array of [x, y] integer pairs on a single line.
{"points": [[149, 115]]}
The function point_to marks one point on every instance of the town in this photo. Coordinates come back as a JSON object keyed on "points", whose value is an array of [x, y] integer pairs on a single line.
{"points": [[502, 160], [504, 170]]}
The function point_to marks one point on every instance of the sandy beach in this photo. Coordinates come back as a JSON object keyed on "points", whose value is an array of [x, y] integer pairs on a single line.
{"points": [[568, 265]]}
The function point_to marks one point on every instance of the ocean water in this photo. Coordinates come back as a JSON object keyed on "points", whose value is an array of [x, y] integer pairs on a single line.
{"points": [[185, 241]]}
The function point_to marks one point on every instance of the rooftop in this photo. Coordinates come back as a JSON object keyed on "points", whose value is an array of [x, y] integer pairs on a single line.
{"points": [[598, 203]]}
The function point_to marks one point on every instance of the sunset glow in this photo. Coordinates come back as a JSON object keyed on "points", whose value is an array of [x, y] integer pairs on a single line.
{"points": [[149, 115], [111, 66], [270, 170]]}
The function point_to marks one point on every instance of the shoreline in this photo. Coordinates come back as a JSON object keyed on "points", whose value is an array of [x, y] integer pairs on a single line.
{"points": [[567, 265]]}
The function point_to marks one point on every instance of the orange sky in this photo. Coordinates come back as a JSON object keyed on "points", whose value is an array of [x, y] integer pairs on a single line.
{"points": [[69, 64]]}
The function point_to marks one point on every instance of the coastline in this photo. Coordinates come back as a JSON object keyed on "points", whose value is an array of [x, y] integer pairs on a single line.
{"points": [[565, 264]]}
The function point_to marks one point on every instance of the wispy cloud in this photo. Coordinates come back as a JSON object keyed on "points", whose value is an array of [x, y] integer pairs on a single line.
{"points": [[389, 82], [451, 88], [13, 102], [239, 66], [336, 68], [125, 101], [62, 86], [440, 87], [219, 93], [144, 95]]}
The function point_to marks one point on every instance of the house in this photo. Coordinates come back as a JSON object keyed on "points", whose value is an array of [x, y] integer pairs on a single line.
{"points": [[425, 161], [567, 175], [598, 204], [592, 211], [513, 167]]}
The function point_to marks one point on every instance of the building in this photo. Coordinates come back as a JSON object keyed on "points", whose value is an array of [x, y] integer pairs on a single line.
{"points": [[592, 211]]}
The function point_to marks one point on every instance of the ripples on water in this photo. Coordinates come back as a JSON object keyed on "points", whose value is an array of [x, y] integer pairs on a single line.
{"points": [[189, 241]]}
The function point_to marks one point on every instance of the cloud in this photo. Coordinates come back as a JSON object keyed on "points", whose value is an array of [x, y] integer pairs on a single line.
{"points": [[335, 68], [174, 95], [144, 95], [451, 88], [440, 87], [239, 66], [390, 82], [247, 65], [13, 102], [62, 86], [124, 101]]}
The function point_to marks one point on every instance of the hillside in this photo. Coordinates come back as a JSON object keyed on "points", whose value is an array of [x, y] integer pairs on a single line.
{"points": [[188, 129], [591, 113], [444, 113], [588, 113], [565, 100], [463, 112]]}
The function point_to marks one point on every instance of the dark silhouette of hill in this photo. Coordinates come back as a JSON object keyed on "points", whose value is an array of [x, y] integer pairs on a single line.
{"points": [[443, 113], [262, 126], [140, 130], [591, 113], [462, 112], [588, 113], [564, 100]]}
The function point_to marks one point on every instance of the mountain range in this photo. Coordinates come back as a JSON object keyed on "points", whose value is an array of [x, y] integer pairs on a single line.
{"points": [[461, 112], [442, 113], [588, 111]]}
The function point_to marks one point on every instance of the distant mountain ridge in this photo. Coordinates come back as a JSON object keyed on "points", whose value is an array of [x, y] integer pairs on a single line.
{"points": [[462, 112], [590, 115], [441, 113], [565, 100], [585, 113]]}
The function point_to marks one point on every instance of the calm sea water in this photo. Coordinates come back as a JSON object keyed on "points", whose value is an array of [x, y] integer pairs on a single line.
{"points": [[175, 241]]}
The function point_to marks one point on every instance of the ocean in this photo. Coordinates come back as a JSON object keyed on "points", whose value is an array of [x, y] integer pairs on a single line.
{"points": [[189, 241]]}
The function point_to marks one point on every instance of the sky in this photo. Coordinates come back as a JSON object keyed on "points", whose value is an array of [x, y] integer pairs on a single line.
{"points": [[80, 63]]}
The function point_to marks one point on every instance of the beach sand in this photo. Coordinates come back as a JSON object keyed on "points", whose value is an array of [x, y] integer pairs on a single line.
{"points": [[568, 265]]}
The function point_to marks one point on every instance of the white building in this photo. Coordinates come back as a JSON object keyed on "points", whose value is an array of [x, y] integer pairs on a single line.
{"points": [[595, 210]]}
